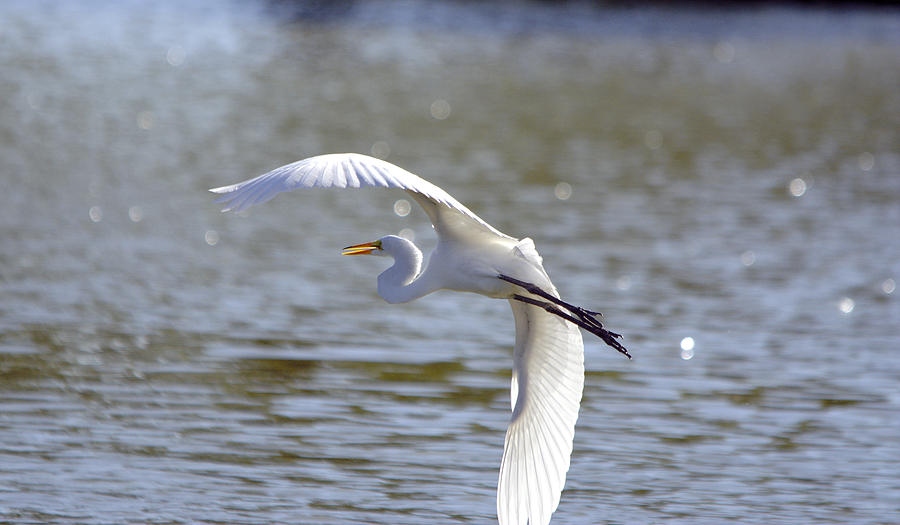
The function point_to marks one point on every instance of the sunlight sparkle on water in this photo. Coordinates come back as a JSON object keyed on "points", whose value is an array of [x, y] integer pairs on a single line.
{"points": [[32, 101], [724, 52], [145, 120], [687, 348], [748, 258], [380, 149], [402, 208], [563, 191], [846, 305], [408, 234], [440, 109], [175, 56], [797, 187], [866, 161], [211, 237]]}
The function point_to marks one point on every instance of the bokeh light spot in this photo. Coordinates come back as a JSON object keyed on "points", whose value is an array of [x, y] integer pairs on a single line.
{"points": [[175, 56], [624, 282], [381, 149], [846, 305], [724, 52], [135, 213], [408, 234], [797, 187], [866, 161], [145, 119], [440, 109], [402, 208], [95, 213], [687, 348], [888, 286], [211, 237], [748, 258], [32, 101], [562, 191]]}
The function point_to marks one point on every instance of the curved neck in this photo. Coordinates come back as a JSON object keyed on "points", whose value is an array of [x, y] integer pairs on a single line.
{"points": [[403, 282]]}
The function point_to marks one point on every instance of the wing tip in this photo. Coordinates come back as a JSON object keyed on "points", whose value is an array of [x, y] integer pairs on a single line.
{"points": [[224, 199]]}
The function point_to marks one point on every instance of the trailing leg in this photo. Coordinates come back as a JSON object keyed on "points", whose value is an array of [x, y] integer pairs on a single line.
{"points": [[587, 316], [607, 336]]}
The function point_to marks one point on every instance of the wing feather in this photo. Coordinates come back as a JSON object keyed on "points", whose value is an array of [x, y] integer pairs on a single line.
{"points": [[352, 170], [548, 379]]}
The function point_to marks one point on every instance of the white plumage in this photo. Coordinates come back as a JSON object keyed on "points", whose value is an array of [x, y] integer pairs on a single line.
{"points": [[343, 170], [548, 366], [471, 255]]}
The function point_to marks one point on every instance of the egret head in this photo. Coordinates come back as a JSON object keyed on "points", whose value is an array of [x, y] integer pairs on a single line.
{"points": [[390, 245]]}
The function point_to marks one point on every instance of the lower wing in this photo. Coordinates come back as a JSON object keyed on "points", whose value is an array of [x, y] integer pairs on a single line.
{"points": [[547, 382]]}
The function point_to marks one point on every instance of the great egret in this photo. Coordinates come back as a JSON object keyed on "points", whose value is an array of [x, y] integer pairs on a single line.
{"points": [[473, 256]]}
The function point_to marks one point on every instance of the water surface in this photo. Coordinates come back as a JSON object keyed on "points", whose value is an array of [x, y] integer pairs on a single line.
{"points": [[729, 177]]}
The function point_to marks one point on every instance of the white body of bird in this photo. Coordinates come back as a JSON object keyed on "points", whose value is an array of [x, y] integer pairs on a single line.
{"points": [[471, 256]]}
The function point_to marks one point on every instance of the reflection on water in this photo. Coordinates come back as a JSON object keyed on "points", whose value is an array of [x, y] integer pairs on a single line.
{"points": [[724, 188]]}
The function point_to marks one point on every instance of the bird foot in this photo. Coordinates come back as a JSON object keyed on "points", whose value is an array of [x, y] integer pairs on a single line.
{"points": [[582, 317], [593, 327]]}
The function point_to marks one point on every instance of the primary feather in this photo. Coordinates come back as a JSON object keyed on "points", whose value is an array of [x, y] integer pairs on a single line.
{"points": [[548, 379]]}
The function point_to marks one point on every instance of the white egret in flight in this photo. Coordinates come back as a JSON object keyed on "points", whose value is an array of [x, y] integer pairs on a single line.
{"points": [[473, 256]]}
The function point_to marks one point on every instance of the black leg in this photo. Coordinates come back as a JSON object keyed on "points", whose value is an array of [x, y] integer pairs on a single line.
{"points": [[607, 336], [586, 316], [536, 290]]}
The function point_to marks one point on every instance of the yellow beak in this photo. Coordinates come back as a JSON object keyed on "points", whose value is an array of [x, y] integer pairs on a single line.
{"points": [[362, 249]]}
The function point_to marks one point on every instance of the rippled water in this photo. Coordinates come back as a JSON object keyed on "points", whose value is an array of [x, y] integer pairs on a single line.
{"points": [[728, 177]]}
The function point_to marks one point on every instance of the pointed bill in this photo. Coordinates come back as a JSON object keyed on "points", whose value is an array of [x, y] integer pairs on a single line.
{"points": [[362, 249]]}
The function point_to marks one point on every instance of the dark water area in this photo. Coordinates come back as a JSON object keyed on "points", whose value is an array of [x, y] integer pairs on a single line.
{"points": [[724, 185]]}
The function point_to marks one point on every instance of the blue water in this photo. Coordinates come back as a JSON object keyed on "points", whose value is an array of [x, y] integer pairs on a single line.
{"points": [[724, 186]]}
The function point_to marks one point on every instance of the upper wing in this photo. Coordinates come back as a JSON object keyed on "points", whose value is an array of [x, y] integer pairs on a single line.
{"points": [[352, 170], [547, 382]]}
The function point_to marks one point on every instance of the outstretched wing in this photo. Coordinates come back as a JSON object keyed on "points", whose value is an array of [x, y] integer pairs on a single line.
{"points": [[352, 170], [547, 382]]}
